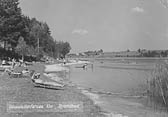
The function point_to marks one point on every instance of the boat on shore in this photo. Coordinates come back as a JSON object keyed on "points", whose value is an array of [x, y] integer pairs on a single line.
{"points": [[37, 82]]}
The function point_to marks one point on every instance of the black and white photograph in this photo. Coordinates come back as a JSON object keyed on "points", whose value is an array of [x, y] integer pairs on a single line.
{"points": [[83, 58]]}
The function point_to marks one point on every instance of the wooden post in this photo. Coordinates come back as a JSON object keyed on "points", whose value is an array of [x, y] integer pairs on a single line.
{"points": [[38, 44]]}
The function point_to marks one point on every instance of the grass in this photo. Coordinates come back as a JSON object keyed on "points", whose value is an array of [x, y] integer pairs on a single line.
{"points": [[22, 90], [157, 90]]}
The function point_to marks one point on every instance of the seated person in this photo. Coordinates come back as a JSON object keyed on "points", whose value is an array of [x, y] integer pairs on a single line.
{"points": [[3, 62], [25, 71]]}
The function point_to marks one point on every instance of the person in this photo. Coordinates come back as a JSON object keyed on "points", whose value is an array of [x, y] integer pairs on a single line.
{"points": [[85, 66], [92, 66], [64, 61], [20, 62], [26, 71], [13, 63], [3, 62]]}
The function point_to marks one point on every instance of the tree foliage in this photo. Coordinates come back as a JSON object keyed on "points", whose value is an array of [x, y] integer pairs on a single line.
{"points": [[22, 47], [27, 35], [11, 23], [64, 48]]}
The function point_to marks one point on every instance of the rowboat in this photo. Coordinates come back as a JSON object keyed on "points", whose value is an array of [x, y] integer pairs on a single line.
{"points": [[37, 82]]}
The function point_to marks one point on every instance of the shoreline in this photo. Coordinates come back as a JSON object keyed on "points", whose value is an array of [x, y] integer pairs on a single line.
{"points": [[95, 103], [123, 101], [93, 96], [22, 90]]}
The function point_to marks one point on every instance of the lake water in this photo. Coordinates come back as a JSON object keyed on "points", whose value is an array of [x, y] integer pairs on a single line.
{"points": [[111, 82], [110, 76], [117, 77]]}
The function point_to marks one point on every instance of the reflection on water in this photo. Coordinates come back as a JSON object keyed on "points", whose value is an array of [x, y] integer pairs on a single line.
{"points": [[110, 77]]}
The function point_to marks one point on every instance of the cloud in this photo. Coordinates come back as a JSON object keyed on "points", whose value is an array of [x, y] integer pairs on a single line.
{"points": [[138, 9], [80, 31], [164, 3]]}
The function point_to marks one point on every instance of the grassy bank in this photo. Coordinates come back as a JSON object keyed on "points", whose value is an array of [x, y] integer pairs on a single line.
{"points": [[22, 90]]}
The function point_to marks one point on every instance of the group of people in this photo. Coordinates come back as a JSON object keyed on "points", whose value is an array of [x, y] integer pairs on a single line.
{"points": [[13, 62]]}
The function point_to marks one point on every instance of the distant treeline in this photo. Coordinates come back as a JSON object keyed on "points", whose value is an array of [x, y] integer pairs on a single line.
{"points": [[138, 53], [143, 53], [86, 54], [153, 53], [127, 53], [27, 36]]}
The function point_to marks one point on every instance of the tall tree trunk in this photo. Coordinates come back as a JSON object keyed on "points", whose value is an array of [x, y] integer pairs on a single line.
{"points": [[5, 45]]}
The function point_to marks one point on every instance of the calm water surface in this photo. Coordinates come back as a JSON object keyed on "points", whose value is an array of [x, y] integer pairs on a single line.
{"points": [[117, 76], [110, 76]]}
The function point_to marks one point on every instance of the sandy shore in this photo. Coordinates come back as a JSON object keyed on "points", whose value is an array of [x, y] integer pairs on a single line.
{"points": [[55, 68], [62, 67], [22, 90]]}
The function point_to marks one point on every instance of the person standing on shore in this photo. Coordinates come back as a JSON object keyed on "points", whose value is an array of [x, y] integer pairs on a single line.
{"points": [[85, 66], [13, 63], [92, 67], [64, 61]]}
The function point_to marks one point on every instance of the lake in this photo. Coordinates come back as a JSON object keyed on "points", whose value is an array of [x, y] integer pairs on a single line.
{"points": [[111, 82], [117, 76]]}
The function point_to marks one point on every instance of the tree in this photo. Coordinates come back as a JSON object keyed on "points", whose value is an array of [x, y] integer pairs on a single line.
{"points": [[35, 32], [25, 35], [63, 48], [128, 50], [22, 48], [40, 35], [139, 50], [101, 51], [11, 23]]}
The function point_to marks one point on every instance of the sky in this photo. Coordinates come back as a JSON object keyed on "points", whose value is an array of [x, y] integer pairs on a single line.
{"points": [[111, 25]]}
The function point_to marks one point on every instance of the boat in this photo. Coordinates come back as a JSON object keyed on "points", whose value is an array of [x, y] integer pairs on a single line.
{"points": [[37, 82]]}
